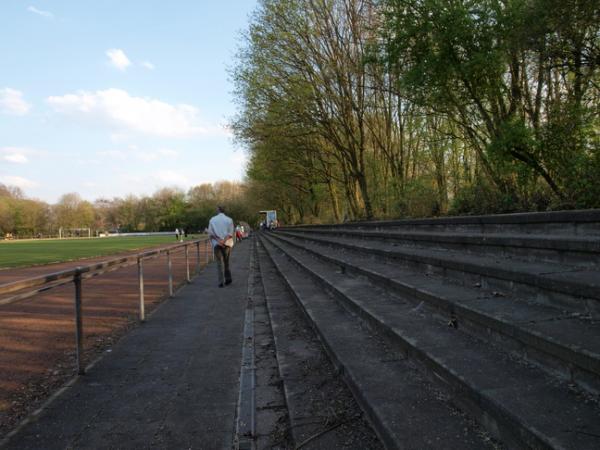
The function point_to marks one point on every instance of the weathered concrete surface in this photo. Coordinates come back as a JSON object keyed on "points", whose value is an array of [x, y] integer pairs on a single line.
{"points": [[403, 406], [171, 383], [554, 280], [569, 222], [565, 343], [525, 405], [322, 411]]}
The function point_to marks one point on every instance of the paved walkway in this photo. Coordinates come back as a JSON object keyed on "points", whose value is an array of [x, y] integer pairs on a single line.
{"points": [[171, 383]]}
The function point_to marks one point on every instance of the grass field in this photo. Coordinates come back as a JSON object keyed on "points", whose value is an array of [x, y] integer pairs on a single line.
{"points": [[31, 252]]}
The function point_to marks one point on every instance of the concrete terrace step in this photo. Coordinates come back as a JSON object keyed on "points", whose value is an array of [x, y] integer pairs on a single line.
{"points": [[565, 249], [520, 404], [404, 408], [554, 284], [319, 403], [558, 341], [579, 222]]}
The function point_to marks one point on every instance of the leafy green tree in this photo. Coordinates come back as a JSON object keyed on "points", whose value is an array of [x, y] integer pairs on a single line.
{"points": [[518, 77]]}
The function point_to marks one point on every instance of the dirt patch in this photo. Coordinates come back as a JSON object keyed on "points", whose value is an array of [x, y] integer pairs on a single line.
{"points": [[37, 335]]}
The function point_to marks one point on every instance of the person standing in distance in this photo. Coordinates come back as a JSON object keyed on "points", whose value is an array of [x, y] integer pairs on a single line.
{"points": [[220, 231]]}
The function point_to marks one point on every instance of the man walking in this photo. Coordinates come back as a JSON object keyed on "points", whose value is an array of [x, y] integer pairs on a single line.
{"points": [[220, 231]]}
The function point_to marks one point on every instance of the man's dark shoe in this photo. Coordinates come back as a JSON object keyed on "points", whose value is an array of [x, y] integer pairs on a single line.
{"points": [[220, 284], [229, 282]]}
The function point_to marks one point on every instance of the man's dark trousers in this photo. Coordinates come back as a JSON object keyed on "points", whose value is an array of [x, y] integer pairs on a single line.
{"points": [[222, 257]]}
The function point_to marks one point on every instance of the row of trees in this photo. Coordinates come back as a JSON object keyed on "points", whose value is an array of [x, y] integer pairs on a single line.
{"points": [[385, 108], [165, 210]]}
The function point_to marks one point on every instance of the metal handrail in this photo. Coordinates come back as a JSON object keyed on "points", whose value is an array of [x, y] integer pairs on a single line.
{"points": [[43, 283]]}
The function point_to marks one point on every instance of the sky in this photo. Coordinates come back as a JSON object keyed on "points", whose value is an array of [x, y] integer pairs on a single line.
{"points": [[115, 97]]}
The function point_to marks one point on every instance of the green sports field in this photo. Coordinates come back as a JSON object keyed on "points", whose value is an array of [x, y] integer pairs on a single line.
{"points": [[32, 252]]}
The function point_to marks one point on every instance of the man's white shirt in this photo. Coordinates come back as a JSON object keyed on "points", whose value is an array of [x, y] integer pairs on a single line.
{"points": [[221, 226]]}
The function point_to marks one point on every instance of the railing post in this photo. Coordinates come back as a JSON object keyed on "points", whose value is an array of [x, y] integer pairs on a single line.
{"points": [[78, 323], [170, 264], [187, 264], [141, 282], [197, 257]]}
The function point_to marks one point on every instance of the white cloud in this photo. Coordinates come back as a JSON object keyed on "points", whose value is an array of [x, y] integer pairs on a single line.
{"points": [[118, 138], [125, 113], [133, 179], [88, 161], [146, 156], [113, 154], [167, 152], [147, 182], [39, 12], [148, 65], [11, 102], [163, 153], [172, 177], [17, 181], [118, 58], [17, 158], [134, 152], [19, 155]]}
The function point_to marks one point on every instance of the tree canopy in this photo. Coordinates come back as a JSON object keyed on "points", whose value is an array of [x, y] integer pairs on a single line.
{"points": [[165, 210], [361, 108]]}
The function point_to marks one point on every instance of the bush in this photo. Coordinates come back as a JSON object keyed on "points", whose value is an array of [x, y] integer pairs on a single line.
{"points": [[419, 199], [482, 198]]}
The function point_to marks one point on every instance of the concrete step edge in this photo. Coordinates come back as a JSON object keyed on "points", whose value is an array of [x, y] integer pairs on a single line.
{"points": [[586, 360], [385, 430], [565, 218], [377, 421], [292, 400], [558, 243], [477, 402], [565, 287]]}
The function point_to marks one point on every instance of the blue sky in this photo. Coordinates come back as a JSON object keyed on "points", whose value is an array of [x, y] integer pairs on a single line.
{"points": [[108, 98]]}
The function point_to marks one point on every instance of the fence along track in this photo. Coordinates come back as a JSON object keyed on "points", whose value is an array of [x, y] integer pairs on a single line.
{"points": [[36, 285]]}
